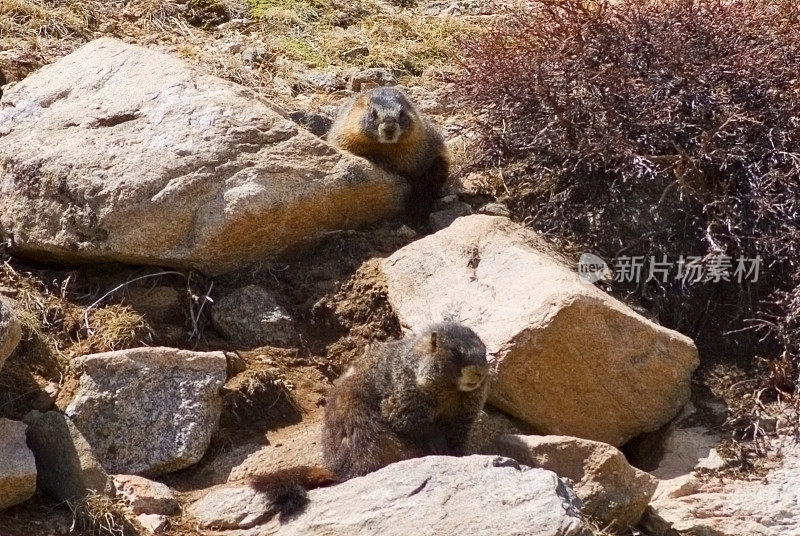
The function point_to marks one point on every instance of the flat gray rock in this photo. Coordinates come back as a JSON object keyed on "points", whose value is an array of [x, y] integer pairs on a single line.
{"points": [[149, 411], [250, 316], [444, 496]]}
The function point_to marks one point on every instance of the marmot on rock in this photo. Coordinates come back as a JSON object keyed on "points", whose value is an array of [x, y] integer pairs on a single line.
{"points": [[404, 399], [383, 126]]}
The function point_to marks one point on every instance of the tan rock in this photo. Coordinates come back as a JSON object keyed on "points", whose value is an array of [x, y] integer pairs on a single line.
{"points": [[765, 506], [121, 153], [17, 465], [612, 492], [10, 331], [145, 496], [567, 358]]}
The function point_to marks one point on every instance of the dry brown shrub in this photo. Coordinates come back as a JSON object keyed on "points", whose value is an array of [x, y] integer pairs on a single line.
{"points": [[657, 127]]}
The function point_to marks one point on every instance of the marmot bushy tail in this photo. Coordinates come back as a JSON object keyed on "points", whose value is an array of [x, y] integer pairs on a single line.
{"points": [[404, 399], [384, 126], [286, 489]]}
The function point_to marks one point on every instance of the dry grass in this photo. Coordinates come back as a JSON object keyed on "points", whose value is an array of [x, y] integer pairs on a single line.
{"points": [[320, 33], [31, 20], [98, 515], [51, 310]]}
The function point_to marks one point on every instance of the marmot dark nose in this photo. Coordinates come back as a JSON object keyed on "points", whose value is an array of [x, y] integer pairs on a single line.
{"points": [[390, 128]]}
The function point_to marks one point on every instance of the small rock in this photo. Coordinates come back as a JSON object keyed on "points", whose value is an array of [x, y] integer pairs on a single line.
{"points": [[612, 492], [231, 506], [495, 209], [379, 76], [405, 231], [317, 124], [145, 496], [10, 331], [153, 523], [723, 506], [250, 316], [443, 218], [17, 465], [355, 52], [254, 55], [232, 48], [128, 398], [321, 80], [67, 468], [445, 202]]}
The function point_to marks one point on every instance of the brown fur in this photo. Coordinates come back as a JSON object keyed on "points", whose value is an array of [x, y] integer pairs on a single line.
{"points": [[419, 154], [403, 399]]}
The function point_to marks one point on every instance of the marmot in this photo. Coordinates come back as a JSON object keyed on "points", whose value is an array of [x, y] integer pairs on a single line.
{"points": [[383, 126], [413, 397]]}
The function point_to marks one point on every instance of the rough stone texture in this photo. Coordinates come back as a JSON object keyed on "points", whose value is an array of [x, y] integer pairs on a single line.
{"points": [[685, 451], [442, 218], [612, 492], [67, 468], [566, 357], [121, 153], [373, 76], [231, 506], [317, 124], [319, 80], [149, 411], [442, 495], [145, 496], [437, 495], [10, 330], [17, 465], [287, 447], [153, 523], [250, 316], [766, 506]]}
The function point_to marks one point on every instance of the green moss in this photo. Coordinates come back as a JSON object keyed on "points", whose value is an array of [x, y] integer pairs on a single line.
{"points": [[303, 50], [305, 9]]}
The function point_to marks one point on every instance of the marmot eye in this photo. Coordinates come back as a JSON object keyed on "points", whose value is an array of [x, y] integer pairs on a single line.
{"points": [[374, 113]]}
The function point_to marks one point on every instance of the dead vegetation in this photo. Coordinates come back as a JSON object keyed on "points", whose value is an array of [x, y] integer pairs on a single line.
{"points": [[98, 515], [53, 311], [658, 128]]}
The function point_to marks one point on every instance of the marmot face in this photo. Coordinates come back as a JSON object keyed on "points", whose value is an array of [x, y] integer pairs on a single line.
{"points": [[456, 355], [387, 116]]}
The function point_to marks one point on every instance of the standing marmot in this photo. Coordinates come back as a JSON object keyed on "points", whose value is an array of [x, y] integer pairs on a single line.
{"points": [[383, 126], [404, 399]]}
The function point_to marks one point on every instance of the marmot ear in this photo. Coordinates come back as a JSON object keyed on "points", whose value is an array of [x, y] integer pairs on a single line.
{"points": [[434, 341]]}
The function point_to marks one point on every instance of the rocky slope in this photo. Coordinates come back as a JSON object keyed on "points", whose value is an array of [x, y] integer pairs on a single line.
{"points": [[187, 266]]}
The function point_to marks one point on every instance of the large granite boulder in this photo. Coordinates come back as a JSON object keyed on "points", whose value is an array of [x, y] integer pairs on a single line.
{"points": [[121, 153], [567, 358]]}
